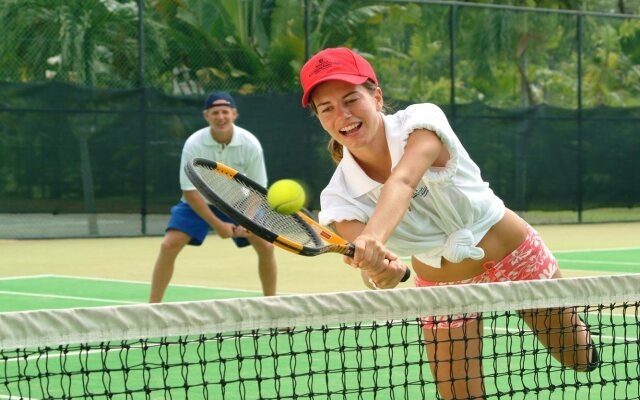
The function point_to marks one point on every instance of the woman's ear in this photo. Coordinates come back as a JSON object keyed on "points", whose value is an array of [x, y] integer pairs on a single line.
{"points": [[379, 99]]}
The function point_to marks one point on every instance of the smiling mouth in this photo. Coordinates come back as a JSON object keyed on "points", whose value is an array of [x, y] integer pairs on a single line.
{"points": [[350, 128]]}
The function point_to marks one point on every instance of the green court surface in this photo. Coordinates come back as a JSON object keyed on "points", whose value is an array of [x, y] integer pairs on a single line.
{"points": [[55, 291], [304, 365], [609, 260], [51, 291]]}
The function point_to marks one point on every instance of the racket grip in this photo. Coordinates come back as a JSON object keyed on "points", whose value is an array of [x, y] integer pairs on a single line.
{"points": [[351, 250], [407, 275]]}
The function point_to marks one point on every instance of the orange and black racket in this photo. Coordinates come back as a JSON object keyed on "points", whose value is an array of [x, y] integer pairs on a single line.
{"points": [[245, 201]]}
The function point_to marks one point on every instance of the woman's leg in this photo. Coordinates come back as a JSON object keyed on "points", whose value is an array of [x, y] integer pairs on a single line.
{"points": [[455, 359], [564, 334]]}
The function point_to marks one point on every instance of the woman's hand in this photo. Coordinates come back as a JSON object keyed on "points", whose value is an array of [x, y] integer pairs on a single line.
{"points": [[387, 278], [380, 268], [370, 254]]}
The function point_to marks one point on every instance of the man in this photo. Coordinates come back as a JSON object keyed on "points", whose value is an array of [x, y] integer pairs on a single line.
{"points": [[192, 218]]}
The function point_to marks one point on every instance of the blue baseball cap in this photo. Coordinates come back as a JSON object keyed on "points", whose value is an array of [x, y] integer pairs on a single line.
{"points": [[215, 96]]}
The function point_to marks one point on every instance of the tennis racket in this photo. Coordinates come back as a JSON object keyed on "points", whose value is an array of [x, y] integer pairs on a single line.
{"points": [[245, 201]]}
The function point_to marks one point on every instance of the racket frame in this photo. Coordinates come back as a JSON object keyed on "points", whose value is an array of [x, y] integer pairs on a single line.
{"points": [[319, 233], [328, 242]]}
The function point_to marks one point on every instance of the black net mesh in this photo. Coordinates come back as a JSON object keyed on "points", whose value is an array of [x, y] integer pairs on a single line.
{"points": [[498, 355]]}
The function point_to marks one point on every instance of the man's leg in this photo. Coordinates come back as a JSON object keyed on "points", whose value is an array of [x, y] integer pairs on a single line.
{"points": [[172, 243], [267, 267]]}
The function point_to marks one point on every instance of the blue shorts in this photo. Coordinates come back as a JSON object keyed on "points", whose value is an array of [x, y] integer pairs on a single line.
{"points": [[184, 219]]}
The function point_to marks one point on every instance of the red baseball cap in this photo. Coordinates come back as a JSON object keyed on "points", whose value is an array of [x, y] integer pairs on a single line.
{"points": [[334, 64]]}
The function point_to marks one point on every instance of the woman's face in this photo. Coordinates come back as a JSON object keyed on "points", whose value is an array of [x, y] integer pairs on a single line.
{"points": [[349, 113]]}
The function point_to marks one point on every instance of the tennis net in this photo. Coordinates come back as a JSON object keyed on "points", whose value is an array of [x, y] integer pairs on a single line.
{"points": [[349, 345]]}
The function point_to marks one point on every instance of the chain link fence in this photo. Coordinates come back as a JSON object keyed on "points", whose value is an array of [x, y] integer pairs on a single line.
{"points": [[97, 98]]}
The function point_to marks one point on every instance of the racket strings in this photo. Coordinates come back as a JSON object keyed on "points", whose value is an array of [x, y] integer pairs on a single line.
{"points": [[252, 204]]}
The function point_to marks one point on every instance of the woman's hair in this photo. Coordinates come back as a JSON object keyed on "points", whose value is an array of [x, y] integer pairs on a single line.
{"points": [[335, 148]]}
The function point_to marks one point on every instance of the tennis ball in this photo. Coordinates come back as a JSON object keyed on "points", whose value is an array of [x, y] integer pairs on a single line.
{"points": [[286, 196]]}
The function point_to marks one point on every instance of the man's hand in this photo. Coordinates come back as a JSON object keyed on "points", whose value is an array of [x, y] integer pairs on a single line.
{"points": [[229, 230], [240, 231]]}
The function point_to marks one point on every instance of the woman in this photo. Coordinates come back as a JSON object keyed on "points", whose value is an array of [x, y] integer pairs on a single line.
{"points": [[404, 184]]}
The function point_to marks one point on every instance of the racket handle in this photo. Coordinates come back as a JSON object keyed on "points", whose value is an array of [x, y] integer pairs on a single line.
{"points": [[406, 276], [351, 250]]}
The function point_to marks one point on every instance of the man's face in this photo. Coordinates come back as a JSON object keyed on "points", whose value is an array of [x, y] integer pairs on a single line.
{"points": [[221, 118]]}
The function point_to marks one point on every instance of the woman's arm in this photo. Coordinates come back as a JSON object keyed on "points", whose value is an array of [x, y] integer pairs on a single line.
{"points": [[423, 148], [390, 269]]}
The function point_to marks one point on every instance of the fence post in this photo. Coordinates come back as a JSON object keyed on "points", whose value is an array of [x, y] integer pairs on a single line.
{"points": [[579, 119], [452, 57], [307, 27], [143, 120]]}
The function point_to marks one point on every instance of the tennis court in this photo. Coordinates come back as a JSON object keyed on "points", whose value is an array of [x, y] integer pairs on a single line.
{"points": [[59, 291], [604, 260], [355, 359]]}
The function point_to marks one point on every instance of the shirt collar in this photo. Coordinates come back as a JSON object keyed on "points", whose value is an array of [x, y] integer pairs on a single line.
{"points": [[210, 141], [358, 182]]}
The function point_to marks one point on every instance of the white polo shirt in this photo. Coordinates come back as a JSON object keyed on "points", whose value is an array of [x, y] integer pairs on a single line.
{"points": [[243, 153], [451, 210]]}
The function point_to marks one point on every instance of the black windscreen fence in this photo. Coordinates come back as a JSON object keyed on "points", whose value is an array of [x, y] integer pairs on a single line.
{"points": [[75, 150]]}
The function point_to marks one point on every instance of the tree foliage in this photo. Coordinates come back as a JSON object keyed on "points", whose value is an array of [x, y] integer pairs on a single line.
{"points": [[504, 58]]}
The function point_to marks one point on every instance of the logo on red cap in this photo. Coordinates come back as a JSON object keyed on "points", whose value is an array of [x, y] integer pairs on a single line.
{"points": [[322, 65]]}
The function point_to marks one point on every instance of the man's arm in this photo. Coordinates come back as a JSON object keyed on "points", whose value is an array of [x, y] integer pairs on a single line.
{"points": [[224, 229]]}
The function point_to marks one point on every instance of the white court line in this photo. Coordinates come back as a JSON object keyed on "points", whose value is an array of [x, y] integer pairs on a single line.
{"points": [[572, 260], [100, 300], [596, 250], [11, 278], [147, 283], [632, 264], [87, 278], [55, 296]]}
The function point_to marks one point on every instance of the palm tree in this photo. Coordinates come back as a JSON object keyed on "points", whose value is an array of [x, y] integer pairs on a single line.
{"points": [[255, 45], [89, 44]]}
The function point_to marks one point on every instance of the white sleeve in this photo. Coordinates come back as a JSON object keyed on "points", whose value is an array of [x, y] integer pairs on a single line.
{"points": [[187, 155], [335, 206], [431, 117], [256, 169]]}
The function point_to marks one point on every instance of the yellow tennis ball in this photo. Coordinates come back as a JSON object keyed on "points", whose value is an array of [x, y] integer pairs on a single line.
{"points": [[286, 196]]}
